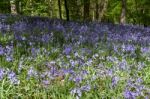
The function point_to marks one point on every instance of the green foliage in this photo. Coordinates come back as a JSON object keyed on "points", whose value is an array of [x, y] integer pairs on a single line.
{"points": [[138, 11], [5, 6]]}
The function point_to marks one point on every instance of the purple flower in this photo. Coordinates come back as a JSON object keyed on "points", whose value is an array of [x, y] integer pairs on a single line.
{"points": [[145, 49], [72, 63], [35, 51], [46, 82], [32, 72], [67, 50], [9, 50], [130, 47], [86, 88], [139, 80], [123, 64], [129, 95], [53, 70], [115, 81], [9, 58], [1, 51], [45, 38], [68, 71], [140, 65], [78, 79], [2, 73], [60, 27], [76, 91], [83, 29], [12, 77], [110, 72]]}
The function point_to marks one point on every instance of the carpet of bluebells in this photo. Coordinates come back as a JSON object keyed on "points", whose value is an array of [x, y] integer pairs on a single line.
{"points": [[53, 59]]}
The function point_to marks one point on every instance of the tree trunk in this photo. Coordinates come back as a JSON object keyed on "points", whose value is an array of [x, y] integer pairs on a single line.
{"points": [[18, 6], [74, 9], [59, 5], [13, 7], [67, 10], [103, 9], [77, 10], [86, 10], [123, 12], [96, 10], [50, 9]]}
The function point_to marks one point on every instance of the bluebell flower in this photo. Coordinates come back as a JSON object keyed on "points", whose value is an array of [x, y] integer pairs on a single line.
{"points": [[67, 50], [45, 82], [8, 50], [9, 58], [110, 72], [34, 51], [1, 50], [45, 38], [130, 95], [20, 65], [76, 91], [60, 27], [115, 81], [69, 71], [13, 78], [130, 48], [78, 79], [32, 72], [123, 64], [140, 65], [86, 88], [72, 62], [83, 29], [53, 70], [2, 73]]}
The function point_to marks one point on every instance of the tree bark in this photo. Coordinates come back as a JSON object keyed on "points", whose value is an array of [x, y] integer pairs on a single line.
{"points": [[18, 6], [67, 10], [123, 12], [96, 10], [13, 7], [59, 6], [50, 11], [86, 10], [103, 8]]}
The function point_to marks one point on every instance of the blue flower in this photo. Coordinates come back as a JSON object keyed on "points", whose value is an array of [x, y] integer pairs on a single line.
{"points": [[78, 79], [32, 72], [9, 58], [86, 88], [115, 81], [2, 73], [67, 50], [130, 95], [1, 51], [12, 77], [76, 91]]}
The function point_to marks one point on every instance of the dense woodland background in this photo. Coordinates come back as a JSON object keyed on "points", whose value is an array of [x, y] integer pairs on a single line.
{"points": [[112, 11]]}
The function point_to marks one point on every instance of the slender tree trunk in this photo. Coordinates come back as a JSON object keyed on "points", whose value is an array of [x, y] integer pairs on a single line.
{"points": [[59, 5], [103, 9], [123, 12], [86, 10], [74, 9], [67, 10], [77, 15], [9, 6], [50, 12], [18, 6], [96, 10], [13, 7]]}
